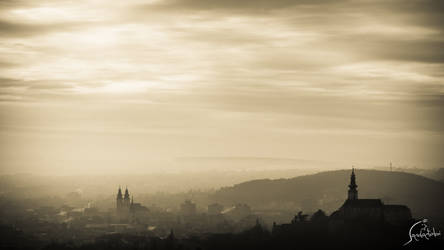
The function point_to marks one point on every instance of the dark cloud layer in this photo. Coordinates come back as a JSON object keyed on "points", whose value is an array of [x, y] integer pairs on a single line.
{"points": [[11, 29]]}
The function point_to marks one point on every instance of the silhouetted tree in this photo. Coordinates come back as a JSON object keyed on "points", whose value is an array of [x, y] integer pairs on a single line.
{"points": [[302, 217]]}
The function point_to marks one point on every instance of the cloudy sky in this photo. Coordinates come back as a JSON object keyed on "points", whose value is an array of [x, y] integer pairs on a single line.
{"points": [[89, 86]]}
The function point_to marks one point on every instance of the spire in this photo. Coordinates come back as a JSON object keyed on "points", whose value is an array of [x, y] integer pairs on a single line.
{"points": [[119, 194], [353, 180], [352, 191], [132, 200], [126, 194]]}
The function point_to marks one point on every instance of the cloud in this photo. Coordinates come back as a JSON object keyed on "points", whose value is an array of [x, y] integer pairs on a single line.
{"points": [[233, 5], [16, 29], [272, 78]]}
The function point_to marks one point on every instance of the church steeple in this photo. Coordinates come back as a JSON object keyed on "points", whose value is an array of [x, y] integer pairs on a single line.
{"points": [[119, 194], [126, 199], [119, 199], [352, 191]]}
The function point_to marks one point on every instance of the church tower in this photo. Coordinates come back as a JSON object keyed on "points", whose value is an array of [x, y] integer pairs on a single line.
{"points": [[119, 200], [126, 199], [352, 191]]}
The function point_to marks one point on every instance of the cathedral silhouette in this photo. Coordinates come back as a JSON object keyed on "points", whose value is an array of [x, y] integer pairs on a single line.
{"points": [[126, 210]]}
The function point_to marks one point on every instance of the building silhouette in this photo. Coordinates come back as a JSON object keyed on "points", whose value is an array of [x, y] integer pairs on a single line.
{"points": [[126, 209], [215, 209], [123, 203], [188, 208], [358, 223], [370, 210]]}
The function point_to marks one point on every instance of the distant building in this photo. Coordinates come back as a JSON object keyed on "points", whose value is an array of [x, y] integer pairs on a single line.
{"points": [[188, 208], [372, 210], [91, 211], [356, 220], [215, 209], [126, 209], [137, 210], [122, 203], [238, 211]]}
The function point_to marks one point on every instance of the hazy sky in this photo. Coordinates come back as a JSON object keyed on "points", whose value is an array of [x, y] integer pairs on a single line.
{"points": [[88, 86]]}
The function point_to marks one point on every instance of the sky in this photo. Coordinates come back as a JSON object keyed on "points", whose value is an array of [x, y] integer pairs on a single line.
{"points": [[99, 86]]}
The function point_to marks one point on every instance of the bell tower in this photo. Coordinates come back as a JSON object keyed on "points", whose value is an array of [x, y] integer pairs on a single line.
{"points": [[352, 191]]}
